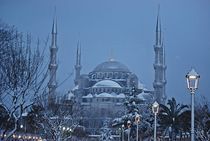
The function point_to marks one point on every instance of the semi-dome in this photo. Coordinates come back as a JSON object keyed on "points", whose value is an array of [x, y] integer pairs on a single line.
{"points": [[102, 95], [107, 83], [111, 66]]}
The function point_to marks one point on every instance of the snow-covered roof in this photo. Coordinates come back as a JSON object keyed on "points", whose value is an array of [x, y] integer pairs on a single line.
{"points": [[75, 88], [144, 96], [88, 96], [25, 114], [140, 96], [107, 83], [105, 95], [111, 66], [70, 96], [121, 95], [142, 86], [113, 93]]}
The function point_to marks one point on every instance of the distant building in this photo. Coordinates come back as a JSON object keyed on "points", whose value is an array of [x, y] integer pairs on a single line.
{"points": [[102, 92]]}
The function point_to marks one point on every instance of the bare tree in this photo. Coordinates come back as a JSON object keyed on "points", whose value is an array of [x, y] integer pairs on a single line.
{"points": [[59, 121], [22, 74], [202, 120]]}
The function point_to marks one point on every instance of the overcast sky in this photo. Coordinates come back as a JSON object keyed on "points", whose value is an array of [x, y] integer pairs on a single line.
{"points": [[125, 29]]}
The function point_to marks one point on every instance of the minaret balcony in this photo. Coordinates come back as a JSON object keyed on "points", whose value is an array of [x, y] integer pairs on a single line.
{"points": [[157, 84], [53, 66], [156, 66], [78, 66], [54, 48], [158, 47]]}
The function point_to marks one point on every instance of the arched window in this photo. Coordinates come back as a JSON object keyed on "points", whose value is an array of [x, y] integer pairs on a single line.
{"points": [[110, 75], [116, 75], [98, 75], [94, 76]]}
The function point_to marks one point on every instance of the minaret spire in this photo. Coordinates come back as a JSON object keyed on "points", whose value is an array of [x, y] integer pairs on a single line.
{"points": [[52, 85], [158, 29], [78, 65], [159, 65]]}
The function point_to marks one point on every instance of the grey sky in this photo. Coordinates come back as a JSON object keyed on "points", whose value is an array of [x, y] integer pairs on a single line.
{"points": [[127, 29]]}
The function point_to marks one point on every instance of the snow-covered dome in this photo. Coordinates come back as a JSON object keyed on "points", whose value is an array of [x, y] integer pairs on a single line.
{"points": [[107, 83], [104, 95], [145, 96], [140, 96], [121, 95], [88, 96], [111, 66]]}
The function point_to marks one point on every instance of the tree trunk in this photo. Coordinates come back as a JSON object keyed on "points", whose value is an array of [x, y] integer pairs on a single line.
{"points": [[11, 132]]}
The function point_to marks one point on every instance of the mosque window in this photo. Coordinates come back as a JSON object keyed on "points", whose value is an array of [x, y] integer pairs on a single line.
{"points": [[100, 75], [105, 99], [119, 75], [84, 100], [90, 100], [105, 75], [103, 111], [115, 75], [123, 75], [93, 76], [116, 90], [107, 90], [117, 100], [110, 75]]}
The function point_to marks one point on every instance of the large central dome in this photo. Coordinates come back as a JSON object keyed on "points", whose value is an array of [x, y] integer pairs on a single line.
{"points": [[111, 66]]}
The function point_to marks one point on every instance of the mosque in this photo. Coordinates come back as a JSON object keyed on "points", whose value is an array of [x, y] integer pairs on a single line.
{"points": [[102, 92]]}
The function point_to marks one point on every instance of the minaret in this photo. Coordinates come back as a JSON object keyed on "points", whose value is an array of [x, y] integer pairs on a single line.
{"points": [[159, 65], [52, 85], [78, 64]]}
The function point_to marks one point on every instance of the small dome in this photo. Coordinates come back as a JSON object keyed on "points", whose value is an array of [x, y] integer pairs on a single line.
{"points": [[107, 83], [111, 66], [121, 95], [88, 96], [145, 96], [104, 95]]}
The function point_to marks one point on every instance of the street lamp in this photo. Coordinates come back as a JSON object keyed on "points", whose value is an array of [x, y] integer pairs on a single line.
{"points": [[192, 84], [129, 130], [21, 126], [137, 120], [155, 109], [123, 127]]}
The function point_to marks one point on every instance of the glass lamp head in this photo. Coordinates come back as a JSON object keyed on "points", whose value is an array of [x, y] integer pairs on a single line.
{"points": [[155, 107], [192, 80], [137, 118]]}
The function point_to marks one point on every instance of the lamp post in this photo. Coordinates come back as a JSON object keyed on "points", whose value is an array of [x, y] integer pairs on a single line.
{"points": [[192, 84], [155, 108], [129, 129], [137, 120], [123, 127]]}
